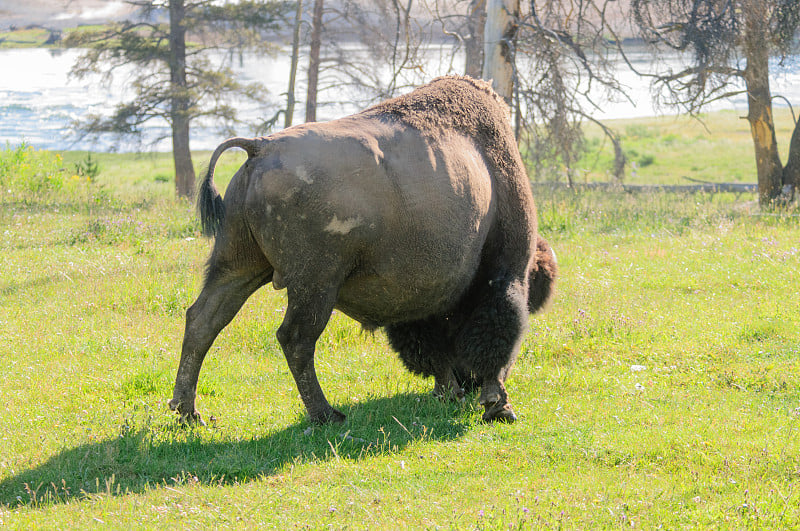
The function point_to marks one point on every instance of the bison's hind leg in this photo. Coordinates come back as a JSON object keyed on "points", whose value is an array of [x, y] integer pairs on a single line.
{"points": [[222, 296], [307, 313], [489, 342], [236, 269], [425, 347]]}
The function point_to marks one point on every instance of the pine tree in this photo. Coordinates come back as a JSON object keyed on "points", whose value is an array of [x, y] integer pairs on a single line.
{"points": [[175, 78]]}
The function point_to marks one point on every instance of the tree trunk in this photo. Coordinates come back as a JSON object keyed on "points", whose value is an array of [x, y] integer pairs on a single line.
{"points": [[498, 51], [759, 100], [476, 21], [179, 103], [313, 62], [290, 101]]}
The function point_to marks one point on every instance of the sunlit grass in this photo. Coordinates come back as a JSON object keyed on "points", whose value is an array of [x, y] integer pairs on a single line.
{"points": [[660, 389], [24, 38], [714, 147]]}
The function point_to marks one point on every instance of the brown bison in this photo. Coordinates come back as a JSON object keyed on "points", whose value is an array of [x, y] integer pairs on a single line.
{"points": [[415, 215]]}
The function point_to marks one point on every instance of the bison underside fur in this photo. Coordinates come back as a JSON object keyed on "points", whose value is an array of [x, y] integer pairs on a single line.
{"points": [[473, 346]]}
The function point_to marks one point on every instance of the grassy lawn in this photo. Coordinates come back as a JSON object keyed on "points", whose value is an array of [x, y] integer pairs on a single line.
{"points": [[675, 149], [662, 388], [38, 37], [24, 38]]}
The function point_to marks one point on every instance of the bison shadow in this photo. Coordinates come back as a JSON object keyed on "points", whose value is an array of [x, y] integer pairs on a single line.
{"points": [[161, 454]]}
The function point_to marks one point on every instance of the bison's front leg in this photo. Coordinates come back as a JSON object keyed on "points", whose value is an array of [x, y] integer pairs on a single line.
{"points": [[490, 342], [307, 314], [221, 298]]}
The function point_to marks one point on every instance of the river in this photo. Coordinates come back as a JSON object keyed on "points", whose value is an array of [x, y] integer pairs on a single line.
{"points": [[39, 100]]}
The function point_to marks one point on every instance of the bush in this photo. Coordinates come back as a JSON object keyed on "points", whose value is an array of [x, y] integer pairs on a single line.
{"points": [[31, 176]]}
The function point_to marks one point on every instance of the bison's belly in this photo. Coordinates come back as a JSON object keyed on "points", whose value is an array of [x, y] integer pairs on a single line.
{"points": [[376, 303], [409, 287]]}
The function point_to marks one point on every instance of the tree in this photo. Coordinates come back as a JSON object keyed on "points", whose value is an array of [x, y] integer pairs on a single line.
{"points": [[172, 79], [502, 20], [464, 21], [730, 42], [565, 60], [552, 56], [369, 50], [290, 92], [313, 61], [476, 26]]}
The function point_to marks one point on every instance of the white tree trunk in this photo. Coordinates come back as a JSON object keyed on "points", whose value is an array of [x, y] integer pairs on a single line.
{"points": [[313, 61], [498, 47], [290, 97]]}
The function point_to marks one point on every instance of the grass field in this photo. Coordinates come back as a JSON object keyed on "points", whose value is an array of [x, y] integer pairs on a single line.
{"points": [[662, 388], [674, 149], [37, 36], [24, 38]]}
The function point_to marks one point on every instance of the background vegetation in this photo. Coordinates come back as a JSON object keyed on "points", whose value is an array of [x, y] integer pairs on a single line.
{"points": [[660, 389]]}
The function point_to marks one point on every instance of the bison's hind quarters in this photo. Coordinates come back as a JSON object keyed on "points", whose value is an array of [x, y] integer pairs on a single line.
{"points": [[210, 206], [542, 277]]}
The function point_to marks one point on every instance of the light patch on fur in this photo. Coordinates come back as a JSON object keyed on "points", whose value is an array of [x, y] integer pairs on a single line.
{"points": [[342, 226], [303, 175]]}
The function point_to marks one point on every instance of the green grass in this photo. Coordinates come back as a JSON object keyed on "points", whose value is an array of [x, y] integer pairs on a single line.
{"points": [[699, 290], [669, 149], [40, 37], [33, 37]]}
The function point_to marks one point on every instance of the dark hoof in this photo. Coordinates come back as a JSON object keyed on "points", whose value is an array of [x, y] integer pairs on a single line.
{"points": [[498, 412], [448, 394], [191, 419], [329, 417], [186, 419]]}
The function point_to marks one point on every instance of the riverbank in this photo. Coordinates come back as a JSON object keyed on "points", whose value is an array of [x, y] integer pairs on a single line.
{"points": [[42, 101], [667, 150], [715, 147]]}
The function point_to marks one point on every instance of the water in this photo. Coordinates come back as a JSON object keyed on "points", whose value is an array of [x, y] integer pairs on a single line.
{"points": [[39, 101]]}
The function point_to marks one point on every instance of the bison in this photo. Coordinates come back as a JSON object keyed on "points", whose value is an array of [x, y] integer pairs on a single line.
{"points": [[414, 215]]}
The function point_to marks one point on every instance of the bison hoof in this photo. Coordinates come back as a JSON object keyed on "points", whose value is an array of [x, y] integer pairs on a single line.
{"points": [[331, 416], [191, 419], [499, 412], [449, 394], [186, 419]]}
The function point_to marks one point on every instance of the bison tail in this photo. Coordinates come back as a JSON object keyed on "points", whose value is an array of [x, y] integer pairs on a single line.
{"points": [[210, 205], [542, 276], [209, 200]]}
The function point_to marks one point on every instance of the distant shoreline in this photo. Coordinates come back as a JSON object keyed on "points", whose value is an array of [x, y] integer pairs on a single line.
{"points": [[58, 16]]}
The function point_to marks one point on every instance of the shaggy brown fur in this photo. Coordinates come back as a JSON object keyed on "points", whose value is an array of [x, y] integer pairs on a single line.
{"points": [[471, 107], [544, 272]]}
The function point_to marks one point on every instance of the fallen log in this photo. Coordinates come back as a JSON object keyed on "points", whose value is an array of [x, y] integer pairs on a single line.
{"points": [[707, 188]]}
